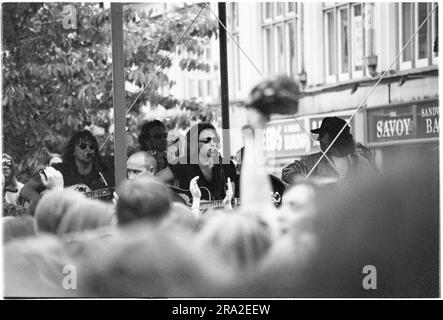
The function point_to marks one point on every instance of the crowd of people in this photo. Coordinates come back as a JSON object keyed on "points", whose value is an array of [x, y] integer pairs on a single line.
{"points": [[176, 226]]}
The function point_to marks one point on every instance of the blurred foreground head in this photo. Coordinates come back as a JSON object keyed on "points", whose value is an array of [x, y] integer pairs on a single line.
{"points": [[278, 95], [53, 206], [237, 240], [143, 261], [389, 222], [86, 215], [34, 267], [144, 198], [17, 227]]}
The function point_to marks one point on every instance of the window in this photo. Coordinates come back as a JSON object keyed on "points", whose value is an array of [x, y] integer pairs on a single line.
{"points": [[343, 44], [435, 36], [290, 7], [279, 44], [331, 60], [280, 38], [267, 11], [344, 41], [405, 34], [357, 40], [269, 57], [209, 88], [193, 88], [423, 32], [290, 40], [279, 8], [200, 88], [419, 52], [233, 24]]}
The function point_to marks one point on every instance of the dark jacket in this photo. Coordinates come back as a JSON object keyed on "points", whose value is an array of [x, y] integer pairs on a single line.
{"points": [[357, 164]]}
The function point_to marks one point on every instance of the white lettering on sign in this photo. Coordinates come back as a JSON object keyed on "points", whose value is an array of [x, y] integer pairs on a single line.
{"points": [[393, 127], [431, 125], [429, 112], [295, 141], [273, 138]]}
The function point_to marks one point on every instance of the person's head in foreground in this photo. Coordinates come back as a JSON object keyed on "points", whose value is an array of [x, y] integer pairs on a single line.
{"points": [[142, 199], [236, 240], [372, 238], [143, 261], [37, 267], [53, 206]]}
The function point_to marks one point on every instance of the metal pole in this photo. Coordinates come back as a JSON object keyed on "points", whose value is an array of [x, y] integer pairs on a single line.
{"points": [[118, 90], [224, 81]]}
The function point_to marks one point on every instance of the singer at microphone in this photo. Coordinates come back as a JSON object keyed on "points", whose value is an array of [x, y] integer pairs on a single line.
{"points": [[203, 160]]}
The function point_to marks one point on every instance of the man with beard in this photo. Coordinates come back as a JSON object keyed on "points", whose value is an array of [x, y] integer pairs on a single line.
{"points": [[82, 169], [340, 161]]}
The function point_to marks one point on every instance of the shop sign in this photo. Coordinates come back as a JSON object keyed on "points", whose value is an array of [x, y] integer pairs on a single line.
{"points": [[285, 138], [403, 122]]}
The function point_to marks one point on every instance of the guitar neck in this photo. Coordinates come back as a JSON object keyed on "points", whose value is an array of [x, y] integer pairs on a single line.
{"points": [[216, 204], [97, 193]]}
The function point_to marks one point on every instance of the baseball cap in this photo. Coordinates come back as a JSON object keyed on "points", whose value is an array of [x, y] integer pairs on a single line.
{"points": [[332, 126]]}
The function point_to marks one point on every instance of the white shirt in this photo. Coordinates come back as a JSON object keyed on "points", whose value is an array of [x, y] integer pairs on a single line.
{"points": [[11, 197]]}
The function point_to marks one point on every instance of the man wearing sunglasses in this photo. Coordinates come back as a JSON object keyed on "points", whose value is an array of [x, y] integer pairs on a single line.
{"points": [[11, 187], [153, 139], [82, 166], [202, 160]]}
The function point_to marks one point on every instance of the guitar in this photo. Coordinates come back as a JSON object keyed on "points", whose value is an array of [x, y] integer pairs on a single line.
{"points": [[92, 194], [186, 196]]}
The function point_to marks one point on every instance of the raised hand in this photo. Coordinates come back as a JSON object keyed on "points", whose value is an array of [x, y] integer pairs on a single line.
{"points": [[195, 190], [227, 201], [51, 178]]}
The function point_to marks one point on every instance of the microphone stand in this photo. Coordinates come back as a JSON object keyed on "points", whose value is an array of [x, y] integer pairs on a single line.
{"points": [[102, 177]]}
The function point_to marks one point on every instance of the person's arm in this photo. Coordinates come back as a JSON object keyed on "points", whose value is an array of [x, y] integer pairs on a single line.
{"points": [[196, 195], [291, 171], [227, 201], [166, 175], [31, 193]]}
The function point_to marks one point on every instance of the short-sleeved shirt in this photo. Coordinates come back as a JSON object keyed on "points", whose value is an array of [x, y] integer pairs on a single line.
{"points": [[184, 173], [93, 181]]}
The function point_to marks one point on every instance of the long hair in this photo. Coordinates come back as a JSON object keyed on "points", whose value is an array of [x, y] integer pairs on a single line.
{"points": [[144, 133], [10, 180], [345, 144], [193, 134], [68, 151]]}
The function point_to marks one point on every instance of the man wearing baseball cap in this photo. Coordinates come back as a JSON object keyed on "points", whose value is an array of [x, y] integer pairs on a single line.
{"points": [[340, 161]]}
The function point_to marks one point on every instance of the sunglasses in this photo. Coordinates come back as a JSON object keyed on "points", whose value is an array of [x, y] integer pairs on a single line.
{"points": [[83, 146], [7, 164], [160, 135], [208, 139]]}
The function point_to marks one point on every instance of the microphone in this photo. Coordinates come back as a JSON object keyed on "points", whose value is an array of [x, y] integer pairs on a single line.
{"points": [[99, 168]]}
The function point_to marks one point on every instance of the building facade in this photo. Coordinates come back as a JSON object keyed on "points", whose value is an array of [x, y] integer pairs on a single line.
{"points": [[339, 51]]}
